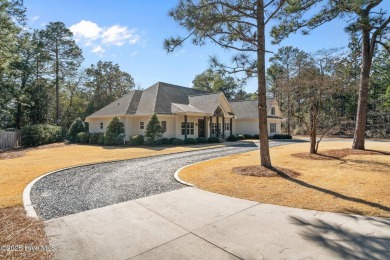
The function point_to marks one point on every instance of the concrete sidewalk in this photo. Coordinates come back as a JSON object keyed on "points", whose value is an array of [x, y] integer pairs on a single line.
{"points": [[193, 224]]}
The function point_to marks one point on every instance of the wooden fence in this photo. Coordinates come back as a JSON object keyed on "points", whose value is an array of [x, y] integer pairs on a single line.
{"points": [[10, 139]]}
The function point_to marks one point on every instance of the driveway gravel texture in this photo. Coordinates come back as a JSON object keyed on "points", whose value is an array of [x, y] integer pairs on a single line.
{"points": [[88, 187]]}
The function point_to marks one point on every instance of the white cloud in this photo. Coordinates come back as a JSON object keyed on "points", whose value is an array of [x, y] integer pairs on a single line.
{"points": [[98, 50], [119, 35], [98, 38], [33, 19], [134, 53], [86, 30]]}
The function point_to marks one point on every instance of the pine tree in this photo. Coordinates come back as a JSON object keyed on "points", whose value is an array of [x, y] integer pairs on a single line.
{"points": [[154, 130]]}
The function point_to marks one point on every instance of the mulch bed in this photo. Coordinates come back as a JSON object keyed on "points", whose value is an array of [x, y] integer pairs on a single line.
{"points": [[261, 171], [23, 232], [337, 154], [21, 151]]}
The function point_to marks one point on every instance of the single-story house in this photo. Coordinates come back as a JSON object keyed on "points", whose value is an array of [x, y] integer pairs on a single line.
{"points": [[183, 113]]}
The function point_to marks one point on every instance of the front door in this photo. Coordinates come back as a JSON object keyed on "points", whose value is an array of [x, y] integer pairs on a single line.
{"points": [[201, 128]]}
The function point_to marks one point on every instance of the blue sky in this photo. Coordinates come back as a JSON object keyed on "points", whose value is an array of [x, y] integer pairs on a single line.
{"points": [[131, 33]]}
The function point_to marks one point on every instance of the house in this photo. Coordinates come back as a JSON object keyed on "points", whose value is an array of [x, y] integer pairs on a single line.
{"points": [[183, 113], [246, 117]]}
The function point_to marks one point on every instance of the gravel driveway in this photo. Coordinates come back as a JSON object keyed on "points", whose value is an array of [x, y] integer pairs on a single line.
{"points": [[88, 187]]}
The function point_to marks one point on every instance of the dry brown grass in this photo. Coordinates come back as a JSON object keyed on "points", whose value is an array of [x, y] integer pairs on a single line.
{"points": [[23, 232], [357, 184], [16, 173], [337, 154]]}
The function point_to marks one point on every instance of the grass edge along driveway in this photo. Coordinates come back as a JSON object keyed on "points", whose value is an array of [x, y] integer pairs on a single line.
{"points": [[16, 173], [357, 184]]}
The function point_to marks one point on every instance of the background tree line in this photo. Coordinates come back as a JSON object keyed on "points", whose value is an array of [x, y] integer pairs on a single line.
{"points": [[41, 78]]}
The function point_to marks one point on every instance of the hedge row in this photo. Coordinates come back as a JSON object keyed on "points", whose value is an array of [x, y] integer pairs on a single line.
{"points": [[42, 134]]}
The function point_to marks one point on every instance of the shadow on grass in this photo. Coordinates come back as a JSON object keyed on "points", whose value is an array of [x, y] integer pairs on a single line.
{"points": [[345, 243], [330, 192]]}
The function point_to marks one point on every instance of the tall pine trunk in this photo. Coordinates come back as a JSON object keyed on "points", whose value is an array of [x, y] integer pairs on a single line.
{"points": [[57, 88], [361, 117], [262, 102]]}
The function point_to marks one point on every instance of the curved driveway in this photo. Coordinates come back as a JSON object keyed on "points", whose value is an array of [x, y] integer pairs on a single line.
{"points": [[88, 187]]}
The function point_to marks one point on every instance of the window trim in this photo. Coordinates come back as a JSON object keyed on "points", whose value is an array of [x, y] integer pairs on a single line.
{"points": [[101, 125], [273, 111], [142, 125], [271, 126], [190, 128], [164, 126]]}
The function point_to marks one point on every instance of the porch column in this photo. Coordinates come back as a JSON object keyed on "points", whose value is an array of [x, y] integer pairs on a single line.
{"points": [[204, 127], [223, 127], [217, 125], [185, 127], [231, 126], [211, 122]]}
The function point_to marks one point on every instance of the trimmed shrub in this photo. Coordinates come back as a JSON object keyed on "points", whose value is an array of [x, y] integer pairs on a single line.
{"points": [[256, 136], [178, 141], [165, 141], [213, 139], [279, 136], [241, 137], [201, 140], [137, 140], [157, 142], [83, 137], [247, 136], [101, 139], [154, 130], [76, 127], [171, 140], [115, 132], [232, 138], [190, 141], [94, 138], [42, 134]]}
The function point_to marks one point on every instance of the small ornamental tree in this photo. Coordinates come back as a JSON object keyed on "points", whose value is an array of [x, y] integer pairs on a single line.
{"points": [[115, 132], [76, 127], [154, 130]]}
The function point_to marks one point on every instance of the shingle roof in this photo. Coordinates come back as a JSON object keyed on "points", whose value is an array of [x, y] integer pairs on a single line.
{"points": [[118, 107], [180, 108], [248, 108], [159, 99], [206, 102]]}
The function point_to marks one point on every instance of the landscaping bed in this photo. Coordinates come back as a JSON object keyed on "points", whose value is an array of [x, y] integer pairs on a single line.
{"points": [[22, 237]]}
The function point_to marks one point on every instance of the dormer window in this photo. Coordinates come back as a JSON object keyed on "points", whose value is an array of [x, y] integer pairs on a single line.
{"points": [[272, 111]]}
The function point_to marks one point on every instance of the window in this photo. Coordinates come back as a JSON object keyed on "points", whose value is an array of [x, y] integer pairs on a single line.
{"points": [[214, 128], [190, 128], [272, 111], [164, 125], [227, 126], [101, 125], [272, 127], [141, 125]]}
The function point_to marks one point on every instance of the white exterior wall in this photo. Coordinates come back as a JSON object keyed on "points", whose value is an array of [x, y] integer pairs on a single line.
{"points": [[94, 124], [251, 126], [132, 125]]}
